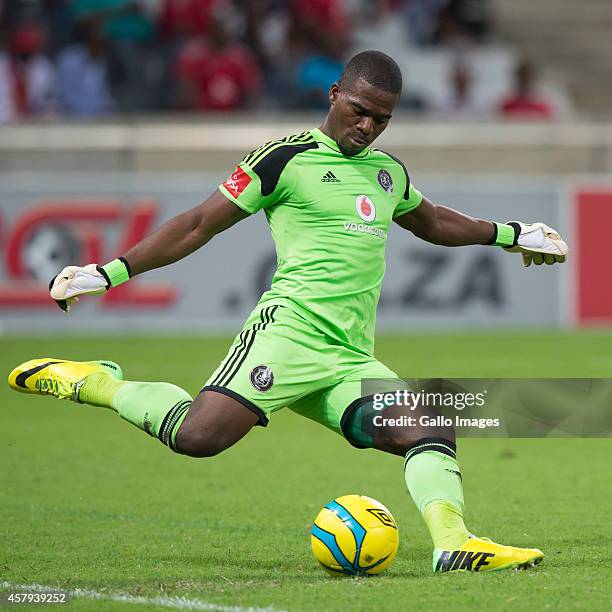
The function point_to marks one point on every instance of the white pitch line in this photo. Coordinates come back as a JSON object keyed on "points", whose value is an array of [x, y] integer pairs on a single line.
{"points": [[176, 603]]}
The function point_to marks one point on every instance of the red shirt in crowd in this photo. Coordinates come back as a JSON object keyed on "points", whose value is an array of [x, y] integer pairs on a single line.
{"points": [[530, 107], [187, 17], [324, 14], [222, 79]]}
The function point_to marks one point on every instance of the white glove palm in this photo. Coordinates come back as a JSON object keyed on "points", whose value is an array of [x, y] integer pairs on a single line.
{"points": [[74, 281], [539, 244]]}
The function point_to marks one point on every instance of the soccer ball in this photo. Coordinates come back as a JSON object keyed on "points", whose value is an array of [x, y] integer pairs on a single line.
{"points": [[354, 535]]}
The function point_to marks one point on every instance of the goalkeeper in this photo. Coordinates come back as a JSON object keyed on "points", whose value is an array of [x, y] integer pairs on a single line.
{"points": [[329, 198]]}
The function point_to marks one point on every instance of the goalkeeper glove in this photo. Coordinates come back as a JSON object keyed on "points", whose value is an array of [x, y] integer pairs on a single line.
{"points": [[74, 281], [536, 242]]}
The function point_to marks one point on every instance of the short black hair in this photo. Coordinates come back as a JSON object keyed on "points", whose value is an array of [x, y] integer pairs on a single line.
{"points": [[374, 67]]}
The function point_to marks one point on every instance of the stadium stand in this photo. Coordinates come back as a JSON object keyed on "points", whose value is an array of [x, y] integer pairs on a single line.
{"points": [[570, 41], [147, 56]]}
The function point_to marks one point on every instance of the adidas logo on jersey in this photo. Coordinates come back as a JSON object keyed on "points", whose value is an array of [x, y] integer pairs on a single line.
{"points": [[330, 177]]}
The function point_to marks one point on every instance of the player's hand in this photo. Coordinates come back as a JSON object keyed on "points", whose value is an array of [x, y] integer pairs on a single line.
{"points": [[74, 281], [538, 244]]}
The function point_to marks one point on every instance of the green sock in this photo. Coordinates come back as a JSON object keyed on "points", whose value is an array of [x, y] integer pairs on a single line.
{"points": [[434, 481], [158, 408]]}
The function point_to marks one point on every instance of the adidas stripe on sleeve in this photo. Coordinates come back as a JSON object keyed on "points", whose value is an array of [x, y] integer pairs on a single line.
{"points": [[263, 177]]}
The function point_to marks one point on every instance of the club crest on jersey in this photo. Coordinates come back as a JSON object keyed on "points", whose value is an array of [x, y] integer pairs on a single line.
{"points": [[262, 377], [365, 208], [385, 181], [237, 182]]}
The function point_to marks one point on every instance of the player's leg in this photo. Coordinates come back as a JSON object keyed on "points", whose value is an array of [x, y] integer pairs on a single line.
{"points": [[431, 471], [277, 357], [214, 423], [234, 399], [434, 480], [433, 474], [207, 425], [200, 427]]}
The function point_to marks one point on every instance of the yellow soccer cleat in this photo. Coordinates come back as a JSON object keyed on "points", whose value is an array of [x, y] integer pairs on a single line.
{"points": [[57, 377], [483, 555]]}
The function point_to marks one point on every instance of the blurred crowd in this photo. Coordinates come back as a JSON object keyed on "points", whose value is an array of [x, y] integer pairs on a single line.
{"points": [[90, 58]]}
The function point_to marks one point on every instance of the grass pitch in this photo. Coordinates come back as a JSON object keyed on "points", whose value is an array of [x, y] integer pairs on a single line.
{"points": [[90, 502]]}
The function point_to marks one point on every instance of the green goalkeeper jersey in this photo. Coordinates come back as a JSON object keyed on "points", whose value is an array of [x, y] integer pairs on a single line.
{"points": [[329, 215]]}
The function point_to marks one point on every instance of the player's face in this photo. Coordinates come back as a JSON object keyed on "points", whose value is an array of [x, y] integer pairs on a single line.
{"points": [[359, 115]]}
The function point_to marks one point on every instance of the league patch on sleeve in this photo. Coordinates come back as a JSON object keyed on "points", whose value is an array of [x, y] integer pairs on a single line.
{"points": [[237, 182]]}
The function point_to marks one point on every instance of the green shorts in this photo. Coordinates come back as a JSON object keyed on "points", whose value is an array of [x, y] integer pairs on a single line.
{"points": [[281, 360]]}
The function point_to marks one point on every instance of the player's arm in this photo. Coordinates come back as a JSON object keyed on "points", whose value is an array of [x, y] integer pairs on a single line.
{"points": [[441, 225], [173, 241], [184, 234]]}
